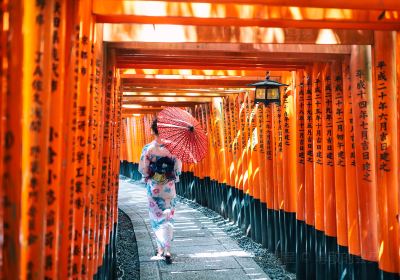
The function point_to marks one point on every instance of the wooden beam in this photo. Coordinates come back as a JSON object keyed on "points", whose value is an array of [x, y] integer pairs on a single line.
{"points": [[191, 77], [262, 67], [171, 71], [168, 104], [179, 83], [157, 90], [204, 61], [233, 48], [134, 95], [198, 72], [340, 4], [277, 23], [130, 112], [242, 67], [130, 107], [228, 14], [201, 59], [145, 99], [236, 34], [242, 52]]}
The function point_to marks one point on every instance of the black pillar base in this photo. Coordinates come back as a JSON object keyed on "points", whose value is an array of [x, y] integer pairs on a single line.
{"points": [[290, 242], [310, 253], [264, 225], [258, 220], [301, 260], [332, 253]]}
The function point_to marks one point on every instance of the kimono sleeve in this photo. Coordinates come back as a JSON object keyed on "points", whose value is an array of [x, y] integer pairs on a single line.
{"points": [[144, 162], [177, 169]]}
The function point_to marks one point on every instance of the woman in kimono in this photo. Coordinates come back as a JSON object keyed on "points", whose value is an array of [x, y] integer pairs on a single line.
{"points": [[160, 170]]}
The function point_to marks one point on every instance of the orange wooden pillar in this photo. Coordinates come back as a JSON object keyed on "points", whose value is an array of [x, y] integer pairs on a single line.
{"points": [[277, 143], [68, 149], [254, 169], [338, 126], [55, 174], [226, 117], [236, 161], [241, 173], [227, 139], [262, 179], [236, 113], [318, 170], [301, 229], [328, 174], [289, 168], [115, 171], [4, 26], [386, 133], [105, 173], [96, 148], [269, 178], [398, 118], [364, 137], [352, 203], [309, 256], [11, 177], [240, 121], [221, 148], [36, 89], [205, 163], [81, 170], [124, 141], [212, 170]]}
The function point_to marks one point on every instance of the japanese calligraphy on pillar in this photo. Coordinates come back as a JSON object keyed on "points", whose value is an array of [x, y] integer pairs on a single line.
{"points": [[109, 84], [54, 158], [90, 205], [348, 115], [280, 136], [328, 120], [260, 121], [35, 150], [318, 121], [242, 116], [339, 120], [37, 100], [363, 109], [73, 182], [235, 125], [381, 90], [286, 130], [309, 120], [253, 128], [301, 123], [217, 123], [227, 119], [268, 141]]}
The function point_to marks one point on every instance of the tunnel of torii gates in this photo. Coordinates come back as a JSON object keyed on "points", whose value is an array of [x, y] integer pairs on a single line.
{"points": [[315, 179]]}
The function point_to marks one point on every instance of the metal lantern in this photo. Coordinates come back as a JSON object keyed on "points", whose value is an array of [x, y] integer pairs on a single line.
{"points": [[267, 91]]}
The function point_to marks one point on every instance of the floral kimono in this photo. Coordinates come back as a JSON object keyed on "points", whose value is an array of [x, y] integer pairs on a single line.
{"points": [[161, 192]]}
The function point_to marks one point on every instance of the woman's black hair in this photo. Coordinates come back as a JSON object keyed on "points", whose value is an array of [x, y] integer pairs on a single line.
{"points": [[154, 127]]}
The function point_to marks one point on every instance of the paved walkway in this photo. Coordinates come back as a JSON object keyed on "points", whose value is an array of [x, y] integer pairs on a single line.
{"points": [[200, 249]]}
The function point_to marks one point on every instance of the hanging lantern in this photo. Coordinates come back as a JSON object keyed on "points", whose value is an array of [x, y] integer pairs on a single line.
{"points": [[267, 91]]}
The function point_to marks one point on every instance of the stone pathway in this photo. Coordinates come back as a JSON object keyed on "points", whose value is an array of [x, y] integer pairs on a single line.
{"points": [[200, 249]]}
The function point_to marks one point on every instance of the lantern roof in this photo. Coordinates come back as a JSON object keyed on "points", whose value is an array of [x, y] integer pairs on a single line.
{"points": [[268, 84]]}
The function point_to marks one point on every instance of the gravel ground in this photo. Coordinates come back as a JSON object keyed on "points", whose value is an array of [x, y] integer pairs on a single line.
{"points": [[271, 265], [127, 251]]}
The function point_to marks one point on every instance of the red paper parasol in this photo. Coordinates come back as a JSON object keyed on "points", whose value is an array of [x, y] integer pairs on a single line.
{"points": [[182, 134]]}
